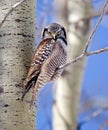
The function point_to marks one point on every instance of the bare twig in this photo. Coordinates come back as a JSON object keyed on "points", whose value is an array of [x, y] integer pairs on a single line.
{"points": [[92, 116], [10, 11], [97, 51], [72, 62], [82, 55], [96, 26], [85, 53], [103, 125], [98, 13]]}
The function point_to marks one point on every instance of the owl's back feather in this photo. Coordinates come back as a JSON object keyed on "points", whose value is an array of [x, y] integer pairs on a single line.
{"points": [[42, 52]]}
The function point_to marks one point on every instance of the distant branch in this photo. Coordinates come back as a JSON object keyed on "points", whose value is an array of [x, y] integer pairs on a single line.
{"points": [[92, 116], [96, 26], [10, 11], [103, 125], [98, 13], [85, 51]]}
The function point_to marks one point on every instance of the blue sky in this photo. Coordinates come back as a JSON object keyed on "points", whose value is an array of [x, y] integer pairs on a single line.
{"points": [[95, 83]]}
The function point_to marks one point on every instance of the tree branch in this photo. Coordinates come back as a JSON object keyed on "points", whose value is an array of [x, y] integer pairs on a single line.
{"points": [[92, 116], [103, 125], [97, 51], [96, 26], [98, 13], [82, 55], [10, 11], [85, 53]]}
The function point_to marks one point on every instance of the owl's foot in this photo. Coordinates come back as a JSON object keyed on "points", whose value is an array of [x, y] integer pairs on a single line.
{"points": [[33, 101]]}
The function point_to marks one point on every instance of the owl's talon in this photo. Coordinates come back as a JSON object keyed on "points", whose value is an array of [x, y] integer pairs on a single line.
{"points": [[32, 103]]}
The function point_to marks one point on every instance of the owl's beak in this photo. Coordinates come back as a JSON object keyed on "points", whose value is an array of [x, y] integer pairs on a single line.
{"points": [[54, 36]]}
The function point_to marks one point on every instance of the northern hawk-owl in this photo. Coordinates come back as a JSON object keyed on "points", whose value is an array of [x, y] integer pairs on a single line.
{"points": [[50, 54]]}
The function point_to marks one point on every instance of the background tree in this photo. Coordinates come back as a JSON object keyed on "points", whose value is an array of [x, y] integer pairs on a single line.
{"points": [[68, 87]]}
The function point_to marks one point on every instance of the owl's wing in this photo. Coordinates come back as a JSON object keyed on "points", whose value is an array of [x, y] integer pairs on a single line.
{"points": [[42, 52]]}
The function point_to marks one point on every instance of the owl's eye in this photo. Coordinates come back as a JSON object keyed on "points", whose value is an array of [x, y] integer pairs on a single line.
{"points": [[59, 33], [49, 33]]}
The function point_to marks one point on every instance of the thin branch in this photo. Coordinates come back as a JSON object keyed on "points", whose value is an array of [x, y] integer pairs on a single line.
{"points": [[72, 62], [96, 26], [85, 53], [10, 11], [92, 116], [97, 51], [98, 13], [82, 55], [103, 125]]}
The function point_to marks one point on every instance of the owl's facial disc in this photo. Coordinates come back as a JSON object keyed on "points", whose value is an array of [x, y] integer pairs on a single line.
{"points": [[54, 31], [55, 35]]}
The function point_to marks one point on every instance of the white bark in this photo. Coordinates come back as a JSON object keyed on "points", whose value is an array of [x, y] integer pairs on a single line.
{"points": [[17, 40], [68, 87]]}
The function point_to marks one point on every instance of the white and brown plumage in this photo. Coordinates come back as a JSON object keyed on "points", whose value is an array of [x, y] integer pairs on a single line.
{"points": [[50, 54]]}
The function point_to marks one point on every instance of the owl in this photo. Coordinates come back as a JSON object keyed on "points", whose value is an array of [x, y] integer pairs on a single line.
{"points": [[50, 54]]}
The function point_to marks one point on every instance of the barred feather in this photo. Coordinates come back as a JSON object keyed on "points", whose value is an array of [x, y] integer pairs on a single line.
{"points": [[49, 68]]}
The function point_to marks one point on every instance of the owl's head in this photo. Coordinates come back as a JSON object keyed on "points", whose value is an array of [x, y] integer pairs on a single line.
{"points": [[54, 31]]}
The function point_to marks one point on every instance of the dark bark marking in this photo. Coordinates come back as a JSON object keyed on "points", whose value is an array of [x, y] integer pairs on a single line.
{"points": [[1, 90], [6, 105]]}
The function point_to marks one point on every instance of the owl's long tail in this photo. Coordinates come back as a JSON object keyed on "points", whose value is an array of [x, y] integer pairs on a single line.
{"points": [[28, 85]]}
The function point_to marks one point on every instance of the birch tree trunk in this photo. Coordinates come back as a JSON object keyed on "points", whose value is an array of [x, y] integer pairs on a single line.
{"points": [[17, 40], [68, 87]]}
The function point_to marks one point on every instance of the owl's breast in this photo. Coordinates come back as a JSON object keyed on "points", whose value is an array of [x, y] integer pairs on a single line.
{"points": [[57, 57]]}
